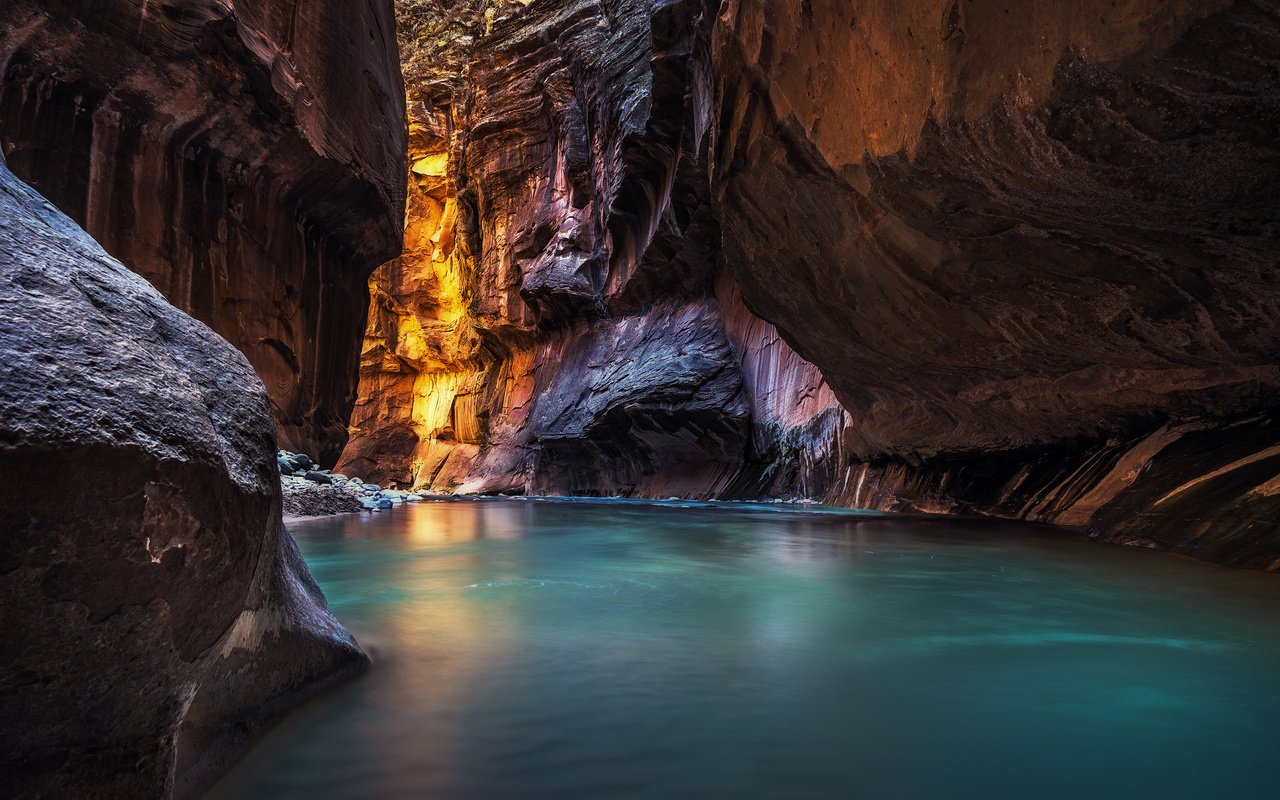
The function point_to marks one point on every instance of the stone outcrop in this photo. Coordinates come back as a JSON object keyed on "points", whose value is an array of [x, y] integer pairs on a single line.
{"points": [[245, 156], [155, 612], [1030, 250], [555, 323]]}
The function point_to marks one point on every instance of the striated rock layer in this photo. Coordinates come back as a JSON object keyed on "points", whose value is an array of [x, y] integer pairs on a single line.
{"points": [[245, 156], [555, 324], [155, 612], [1032, 250]]}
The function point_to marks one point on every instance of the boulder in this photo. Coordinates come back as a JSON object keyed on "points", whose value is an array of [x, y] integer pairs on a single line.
{"points": [[245, 156], [155, 612]]}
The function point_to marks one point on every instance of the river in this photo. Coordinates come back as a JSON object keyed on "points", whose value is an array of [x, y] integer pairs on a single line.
{"points": [[529, 648]]}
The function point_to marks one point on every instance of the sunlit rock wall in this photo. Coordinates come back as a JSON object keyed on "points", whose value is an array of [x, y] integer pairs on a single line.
{"points": [[555, 324], [245, 156]]}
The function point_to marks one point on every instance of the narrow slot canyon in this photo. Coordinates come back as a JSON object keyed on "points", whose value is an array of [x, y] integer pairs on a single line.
{"points": [[639, 398]]}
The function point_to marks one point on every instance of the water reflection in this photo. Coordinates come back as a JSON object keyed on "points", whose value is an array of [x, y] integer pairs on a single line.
{"points": [[537, 649]]}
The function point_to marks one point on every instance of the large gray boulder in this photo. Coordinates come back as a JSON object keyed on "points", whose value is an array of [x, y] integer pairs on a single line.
{"points": [[154, 611]]}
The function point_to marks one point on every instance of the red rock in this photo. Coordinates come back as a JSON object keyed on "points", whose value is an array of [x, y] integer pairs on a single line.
{"points": [[565, 334], [246, 157], [1019, 246], [1017, 262]]}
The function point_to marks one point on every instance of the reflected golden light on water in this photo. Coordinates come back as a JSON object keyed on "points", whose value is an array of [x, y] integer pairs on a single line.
{"points": [[428, 528], [439, 614], [450, 522]]}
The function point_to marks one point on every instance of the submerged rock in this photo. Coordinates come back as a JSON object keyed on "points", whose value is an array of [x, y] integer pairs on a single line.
{"points": [[155, 612]]}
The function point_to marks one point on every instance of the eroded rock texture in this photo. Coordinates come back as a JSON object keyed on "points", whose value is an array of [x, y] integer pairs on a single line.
{"points": [[555, 324], [154, 610], [246, 157], [1032, 248]]}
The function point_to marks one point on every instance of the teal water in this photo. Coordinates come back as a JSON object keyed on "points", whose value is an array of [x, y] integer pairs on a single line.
{"points": [[535, 649]]}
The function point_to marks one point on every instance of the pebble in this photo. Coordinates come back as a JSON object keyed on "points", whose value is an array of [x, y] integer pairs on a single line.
{"points": [[299, 471]]}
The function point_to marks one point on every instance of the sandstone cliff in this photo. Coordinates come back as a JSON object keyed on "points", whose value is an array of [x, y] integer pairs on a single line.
{"points": [[1030, 248], [246, 157], [154, 610], [555, 324]]}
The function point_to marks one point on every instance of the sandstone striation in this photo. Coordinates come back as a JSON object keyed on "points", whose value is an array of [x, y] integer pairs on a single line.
{"points": [[245, 156], [155, 611], [1032, 251], [555, 324]]}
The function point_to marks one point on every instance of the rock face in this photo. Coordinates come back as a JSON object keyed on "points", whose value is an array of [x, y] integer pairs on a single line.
{"points": [[1033, 253], [555, 324], [155, 611], [1031, 250], [245, 156]]}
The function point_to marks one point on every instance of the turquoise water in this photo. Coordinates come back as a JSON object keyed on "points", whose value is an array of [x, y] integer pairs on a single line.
{"points": [[536, 649]]}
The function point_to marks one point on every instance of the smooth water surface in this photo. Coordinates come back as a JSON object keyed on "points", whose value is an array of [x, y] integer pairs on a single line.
{"points": [[539, 649]]}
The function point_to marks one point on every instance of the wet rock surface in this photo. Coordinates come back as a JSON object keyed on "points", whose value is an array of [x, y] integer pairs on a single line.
{"points": [[155, 612], [246, 157]]}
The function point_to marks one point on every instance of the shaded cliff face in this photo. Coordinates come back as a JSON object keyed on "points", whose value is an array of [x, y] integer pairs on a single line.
{"points": [[1033, 253], [246, 157], [555, 324], [155, 612]]}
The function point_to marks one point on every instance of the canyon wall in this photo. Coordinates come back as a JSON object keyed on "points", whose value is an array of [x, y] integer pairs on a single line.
{"points": [[1031, 249], [558, 323], [155, 612], [245, 157]]}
